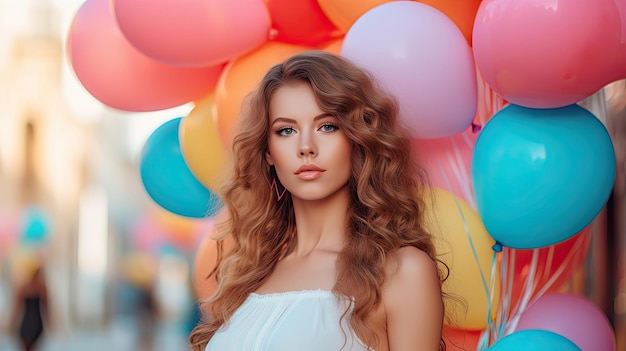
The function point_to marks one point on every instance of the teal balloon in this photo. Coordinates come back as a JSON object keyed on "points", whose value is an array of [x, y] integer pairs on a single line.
{"points": [[35, 225], [168, 180], [541, 175], [534, 340]]}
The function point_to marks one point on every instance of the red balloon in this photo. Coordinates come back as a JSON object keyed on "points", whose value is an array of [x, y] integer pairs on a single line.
{"points": [[193, 32], [301, 22], [460, 339], [120, 76], [553, 266], [448, 162]]}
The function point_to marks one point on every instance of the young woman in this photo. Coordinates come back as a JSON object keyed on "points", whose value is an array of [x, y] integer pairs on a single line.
{"points": [[325, 207]]}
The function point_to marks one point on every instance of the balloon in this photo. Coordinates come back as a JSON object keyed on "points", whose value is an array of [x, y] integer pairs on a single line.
{"points": [[193, 32], [139, 268], [541, 175], [535, 340], [146, 234], [621, 60], [447, 218], [9, 227], [334, 46], [300, 22], [547, 53], [121, 77], [572, 316], [35, 225], [204, 263], [434, 81], [200, 142], [448, 162], [343, 13], [461, 12], [461, 340], [240, 77], [168, 180]]}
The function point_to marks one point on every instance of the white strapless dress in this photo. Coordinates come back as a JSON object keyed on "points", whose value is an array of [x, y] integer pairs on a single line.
{"points": [[307, 320]]}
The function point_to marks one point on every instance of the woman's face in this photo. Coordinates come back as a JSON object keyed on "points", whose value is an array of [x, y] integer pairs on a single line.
{"points": [[309, 151]]}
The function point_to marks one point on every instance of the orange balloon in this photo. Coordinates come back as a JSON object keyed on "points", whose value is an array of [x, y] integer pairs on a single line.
{"points": [[343, 13], [461, 340], [334, 46], [204, 263], [461, 12], [240, 77]]}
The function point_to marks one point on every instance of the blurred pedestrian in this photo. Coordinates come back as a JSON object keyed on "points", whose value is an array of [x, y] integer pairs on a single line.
{"points": [[30, 314]]}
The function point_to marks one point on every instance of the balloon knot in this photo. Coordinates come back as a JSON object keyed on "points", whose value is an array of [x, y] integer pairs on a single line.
{"points": [[476, 127], [497, 247]]}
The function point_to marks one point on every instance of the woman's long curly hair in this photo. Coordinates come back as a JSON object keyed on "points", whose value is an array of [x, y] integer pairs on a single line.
{"points": [[387, 191]]}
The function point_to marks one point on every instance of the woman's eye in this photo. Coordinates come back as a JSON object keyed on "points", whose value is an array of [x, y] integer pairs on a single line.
{"points": [[285, 131], [328, 128]]}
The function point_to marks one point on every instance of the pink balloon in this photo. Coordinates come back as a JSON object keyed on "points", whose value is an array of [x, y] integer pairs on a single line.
{"points": [[448, 162], [10, 228], [572, 316], [621, 64], [193, 32], [421, 57], [118, 75], [547, 53]]}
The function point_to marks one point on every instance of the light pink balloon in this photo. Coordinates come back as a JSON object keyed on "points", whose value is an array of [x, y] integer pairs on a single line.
{"points": [[193, 32], [120, 76], [421, 57], [572, 316], [547, 53]]}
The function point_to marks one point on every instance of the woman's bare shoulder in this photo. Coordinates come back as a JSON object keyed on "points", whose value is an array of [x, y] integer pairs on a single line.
{"points": [[413, 301]]}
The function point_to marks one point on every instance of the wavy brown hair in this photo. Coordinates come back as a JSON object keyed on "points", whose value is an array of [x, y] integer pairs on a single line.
{"points": [[386, 187]]}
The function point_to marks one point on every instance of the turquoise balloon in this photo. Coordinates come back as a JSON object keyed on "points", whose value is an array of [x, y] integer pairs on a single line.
{"points": [[35, 226], [534, 340], [541, 175], [167, 178]]}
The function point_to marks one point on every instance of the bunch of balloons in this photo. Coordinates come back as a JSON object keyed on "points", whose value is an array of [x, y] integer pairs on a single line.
{"points": [[488, 88]]}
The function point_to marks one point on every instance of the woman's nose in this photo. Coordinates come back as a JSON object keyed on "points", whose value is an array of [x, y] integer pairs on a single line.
{"points": [[307, 147]]}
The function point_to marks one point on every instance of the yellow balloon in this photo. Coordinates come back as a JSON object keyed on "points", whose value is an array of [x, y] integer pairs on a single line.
{"points": [[455, 227], [201, 145]]}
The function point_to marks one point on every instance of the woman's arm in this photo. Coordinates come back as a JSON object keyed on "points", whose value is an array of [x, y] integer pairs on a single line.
{"points": [[413, 303]]}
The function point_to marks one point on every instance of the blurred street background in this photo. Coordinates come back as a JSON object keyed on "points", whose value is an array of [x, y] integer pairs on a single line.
{"points": [[116, 266], [118, 269]]}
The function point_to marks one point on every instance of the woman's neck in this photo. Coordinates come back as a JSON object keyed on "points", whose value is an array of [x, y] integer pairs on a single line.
{"points": [[321, 224]]}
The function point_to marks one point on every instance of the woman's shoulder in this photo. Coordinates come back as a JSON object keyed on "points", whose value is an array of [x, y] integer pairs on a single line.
{"points": [[412, 300], [409, 261], [411, 272]]}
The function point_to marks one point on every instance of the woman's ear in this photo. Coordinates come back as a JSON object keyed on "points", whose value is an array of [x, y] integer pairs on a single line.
{"points": [[268, 158]]}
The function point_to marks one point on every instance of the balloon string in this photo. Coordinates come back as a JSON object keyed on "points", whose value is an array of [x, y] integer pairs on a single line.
{"points": [[568, 259], [528, 291], [467, 231], [506, 287], [471, 242]]}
